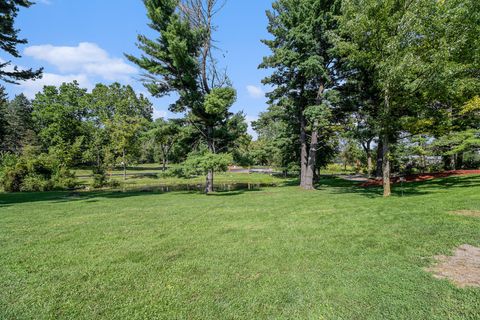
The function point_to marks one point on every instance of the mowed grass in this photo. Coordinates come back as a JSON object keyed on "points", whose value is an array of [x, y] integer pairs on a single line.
{"points": [[341, 252]]}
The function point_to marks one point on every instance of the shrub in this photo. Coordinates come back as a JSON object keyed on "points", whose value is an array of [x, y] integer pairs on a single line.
{"points": [[30, 173], [64, 179], [114, 183], [13, 177], [100, 178], [35, 183]]}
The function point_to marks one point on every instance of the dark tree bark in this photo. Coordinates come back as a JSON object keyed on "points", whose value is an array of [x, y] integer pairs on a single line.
{"points": [[124, 165], [368, 151], [304, 150], [164, 163], [309, 182], [369, 162], [312, 160], [459, 164], [387, 192], [379, 169], [386, 166], [211, 147]]}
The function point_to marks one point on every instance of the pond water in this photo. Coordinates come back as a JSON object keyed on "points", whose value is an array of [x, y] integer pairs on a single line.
{"points": [[200, 187]]}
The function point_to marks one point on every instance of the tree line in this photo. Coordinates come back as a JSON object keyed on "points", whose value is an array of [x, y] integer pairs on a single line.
{"points": [[388, 86], [374, 71], [110, 126]]}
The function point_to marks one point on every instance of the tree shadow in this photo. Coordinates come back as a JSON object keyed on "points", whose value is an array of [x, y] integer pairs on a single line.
{"points": [[332, 184], [407, 189], [9, 199]]}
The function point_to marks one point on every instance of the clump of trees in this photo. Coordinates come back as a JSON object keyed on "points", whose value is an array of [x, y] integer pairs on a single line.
{"points": [[386, 87], [376, 70], [182, 60]]}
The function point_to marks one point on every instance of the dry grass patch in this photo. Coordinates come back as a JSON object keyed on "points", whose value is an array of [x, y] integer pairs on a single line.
{"points": [[466, 213], [463, 268]]}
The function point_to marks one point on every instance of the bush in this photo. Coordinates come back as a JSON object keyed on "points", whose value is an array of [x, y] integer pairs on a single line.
{"points": [[64, 179], [35, 183], [13, 177], [114, 183], [100, 178], [31, 173]]}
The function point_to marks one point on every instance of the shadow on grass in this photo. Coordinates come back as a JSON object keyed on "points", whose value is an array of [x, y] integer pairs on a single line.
{"points": [[338, 185], [331, 183], [8, 199]]}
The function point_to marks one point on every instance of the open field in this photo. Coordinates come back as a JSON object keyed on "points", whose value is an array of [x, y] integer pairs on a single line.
{"points": [[341, 252]]}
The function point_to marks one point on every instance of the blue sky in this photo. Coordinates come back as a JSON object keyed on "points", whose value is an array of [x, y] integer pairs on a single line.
{"points": [[85, 40]]}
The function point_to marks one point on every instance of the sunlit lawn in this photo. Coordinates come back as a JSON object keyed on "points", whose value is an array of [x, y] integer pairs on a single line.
{"points": [[341, 252]]}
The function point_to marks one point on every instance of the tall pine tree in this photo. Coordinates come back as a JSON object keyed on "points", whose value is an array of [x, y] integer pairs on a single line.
{"points": [[304, 77], [9, 40], [181, 60]]}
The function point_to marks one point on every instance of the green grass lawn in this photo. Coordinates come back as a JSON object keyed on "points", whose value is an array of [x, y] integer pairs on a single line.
{"points": [[340, 252]]}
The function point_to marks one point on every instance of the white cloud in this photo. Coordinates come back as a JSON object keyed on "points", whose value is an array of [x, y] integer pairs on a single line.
{"points": [[86, 58], [255, 92], [159, 113], [30, 87]]}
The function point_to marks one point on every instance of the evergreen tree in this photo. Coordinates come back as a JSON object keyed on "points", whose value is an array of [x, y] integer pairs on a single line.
{"points": [[20, 130], [9, 40], [304, 77], [3, 117], [181, 60]]}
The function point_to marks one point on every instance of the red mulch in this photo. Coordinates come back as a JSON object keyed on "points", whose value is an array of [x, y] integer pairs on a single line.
{"points": [[422, 177]]}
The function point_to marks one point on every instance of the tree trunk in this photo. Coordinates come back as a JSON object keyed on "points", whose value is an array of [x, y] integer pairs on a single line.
{"points": [[211, 148], [312, 160], [460, 161], [369, 163], [387, 192], [379, 169], [209, 182], [368, 151], [447, 162], [304, 150], [386, 167], [164, 162], [124, 166], [98, 157]]}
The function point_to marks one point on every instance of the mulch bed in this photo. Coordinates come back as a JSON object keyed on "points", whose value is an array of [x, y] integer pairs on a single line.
{"points": [[421, 177]]}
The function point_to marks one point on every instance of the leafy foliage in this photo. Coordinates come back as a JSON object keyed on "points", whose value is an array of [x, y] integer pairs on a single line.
{"points": [[202, 163], [34, 172]]}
